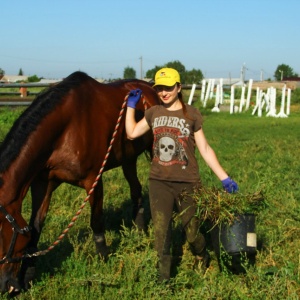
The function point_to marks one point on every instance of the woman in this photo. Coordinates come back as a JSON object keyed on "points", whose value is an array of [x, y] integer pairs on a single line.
{"points": [[177, 128]]}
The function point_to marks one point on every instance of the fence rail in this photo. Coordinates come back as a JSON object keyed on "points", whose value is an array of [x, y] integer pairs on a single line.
{"points": [[13, 98], [19, 85], [17, 96]]}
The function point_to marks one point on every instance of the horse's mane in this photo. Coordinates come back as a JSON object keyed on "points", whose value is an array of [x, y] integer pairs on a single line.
{"points": [[44, 103], [124, 82]]}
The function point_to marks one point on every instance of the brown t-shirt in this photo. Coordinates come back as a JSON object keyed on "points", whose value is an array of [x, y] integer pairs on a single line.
{"points": [[174, 143]]}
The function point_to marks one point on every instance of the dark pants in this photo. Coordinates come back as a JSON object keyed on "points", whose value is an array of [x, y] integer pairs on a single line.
{"points": [[163, 196]]}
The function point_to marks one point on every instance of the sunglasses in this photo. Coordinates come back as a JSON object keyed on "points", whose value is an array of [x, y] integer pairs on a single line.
{"points": [[160, 88]]}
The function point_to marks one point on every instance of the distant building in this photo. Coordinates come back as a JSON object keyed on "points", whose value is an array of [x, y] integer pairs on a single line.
{"points": [[101, 80], [13, 78], [294, 78], [226, 81], [49, 81]]}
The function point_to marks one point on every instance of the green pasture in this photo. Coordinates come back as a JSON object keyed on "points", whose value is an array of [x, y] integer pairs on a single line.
{"points": [[258, 153]]}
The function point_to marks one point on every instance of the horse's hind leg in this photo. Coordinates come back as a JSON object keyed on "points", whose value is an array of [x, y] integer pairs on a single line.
{"points": [[41, 192], [130, 173], [97, 220]]}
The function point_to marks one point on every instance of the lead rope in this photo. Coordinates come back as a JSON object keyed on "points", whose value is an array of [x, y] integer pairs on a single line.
{"points": [[75, 217]]}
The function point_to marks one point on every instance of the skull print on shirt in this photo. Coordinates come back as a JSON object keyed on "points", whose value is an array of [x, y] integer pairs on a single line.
{"points": [[170, 137], [166, 148]]}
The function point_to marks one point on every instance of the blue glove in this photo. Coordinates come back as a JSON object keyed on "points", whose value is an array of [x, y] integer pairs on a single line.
{"points": [[133, 98], [229, 185]]}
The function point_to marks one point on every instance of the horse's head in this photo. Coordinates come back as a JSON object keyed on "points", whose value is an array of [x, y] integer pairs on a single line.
{"points": [[14, 237]]}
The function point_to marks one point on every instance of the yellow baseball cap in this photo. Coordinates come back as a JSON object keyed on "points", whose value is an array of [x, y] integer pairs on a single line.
{"points": [[167, 77]]}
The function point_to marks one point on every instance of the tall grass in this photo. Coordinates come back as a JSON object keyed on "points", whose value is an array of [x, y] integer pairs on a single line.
{"points": [[259, 153]]}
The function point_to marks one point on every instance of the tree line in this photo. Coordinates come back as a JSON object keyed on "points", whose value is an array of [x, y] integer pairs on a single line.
{"points": [[186, 76], [282, 72]]}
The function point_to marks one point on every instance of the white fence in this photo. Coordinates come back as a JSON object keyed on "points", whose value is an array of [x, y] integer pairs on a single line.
{"points": [[265, 100]]}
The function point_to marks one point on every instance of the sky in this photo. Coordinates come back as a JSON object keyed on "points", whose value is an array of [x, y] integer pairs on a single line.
{"points": [[52, 39]]}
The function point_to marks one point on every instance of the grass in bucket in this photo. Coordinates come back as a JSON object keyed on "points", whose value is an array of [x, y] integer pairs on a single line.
{"points": [[218, 206]]}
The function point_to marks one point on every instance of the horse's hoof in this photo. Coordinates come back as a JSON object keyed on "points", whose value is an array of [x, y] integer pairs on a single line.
{"points": [[27, 272], [28, 278], [101, 247]]}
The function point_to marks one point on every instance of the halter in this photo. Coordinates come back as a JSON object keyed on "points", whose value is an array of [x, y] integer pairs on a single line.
{"points": [[16, 228]]}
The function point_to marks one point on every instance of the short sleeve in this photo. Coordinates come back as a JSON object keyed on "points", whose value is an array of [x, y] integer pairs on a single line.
{"points": [[199, 121], [149, 114], [196, 116]]}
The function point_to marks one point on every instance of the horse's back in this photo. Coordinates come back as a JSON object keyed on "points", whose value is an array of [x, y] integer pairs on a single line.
{"points": [[94, 111]]}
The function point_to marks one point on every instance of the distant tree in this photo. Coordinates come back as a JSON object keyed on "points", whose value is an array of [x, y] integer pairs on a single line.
{"points": [[151, 73], [193, 76], [186, 77], [284, 71], [1, 73], [33, 78], [129, 73], [177, 65], [20, 72]]}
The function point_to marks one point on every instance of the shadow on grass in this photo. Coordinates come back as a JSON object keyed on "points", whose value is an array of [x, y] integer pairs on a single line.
{"points": [[115, 219]]}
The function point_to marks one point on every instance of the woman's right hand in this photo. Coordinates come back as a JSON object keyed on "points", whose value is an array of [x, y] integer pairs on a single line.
{"points": [[134, 97]]}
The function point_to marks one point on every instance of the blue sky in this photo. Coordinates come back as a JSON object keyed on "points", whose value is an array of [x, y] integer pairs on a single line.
{"points": [[54, 38]]}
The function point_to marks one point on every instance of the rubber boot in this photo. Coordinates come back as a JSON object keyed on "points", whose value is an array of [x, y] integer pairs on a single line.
{"points": [[202, 262], [164, 268]]}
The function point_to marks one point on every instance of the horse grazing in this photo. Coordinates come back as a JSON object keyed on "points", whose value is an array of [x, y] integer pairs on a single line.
{"points": [[63, 136]]}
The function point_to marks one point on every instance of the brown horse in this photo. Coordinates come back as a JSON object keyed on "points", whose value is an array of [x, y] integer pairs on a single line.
{"points": [[63, 136]]}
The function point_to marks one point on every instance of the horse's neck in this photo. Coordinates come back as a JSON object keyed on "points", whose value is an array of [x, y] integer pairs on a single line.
{"points": [[31, 158], [17, 179]]}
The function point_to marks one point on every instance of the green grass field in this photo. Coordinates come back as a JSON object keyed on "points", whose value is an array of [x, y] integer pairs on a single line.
{"points": [[259, 153]]}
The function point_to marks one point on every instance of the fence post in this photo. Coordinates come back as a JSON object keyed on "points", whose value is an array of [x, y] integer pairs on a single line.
{"points": [[242, 99], [23, 91], [207, 92], [192, 94], [212, 89], [288, 103], [281, 113], [232, 100], [203, 90], [217, 100], [221, 91], [249, 93], [272, 110]]}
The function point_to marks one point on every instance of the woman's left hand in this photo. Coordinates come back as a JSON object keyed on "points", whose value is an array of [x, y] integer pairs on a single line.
{"points": [[229, 185]]}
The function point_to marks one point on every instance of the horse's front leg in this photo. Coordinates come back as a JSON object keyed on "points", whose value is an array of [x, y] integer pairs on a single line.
{"points": [[130, 173], [97, 220], [41, 192]]}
